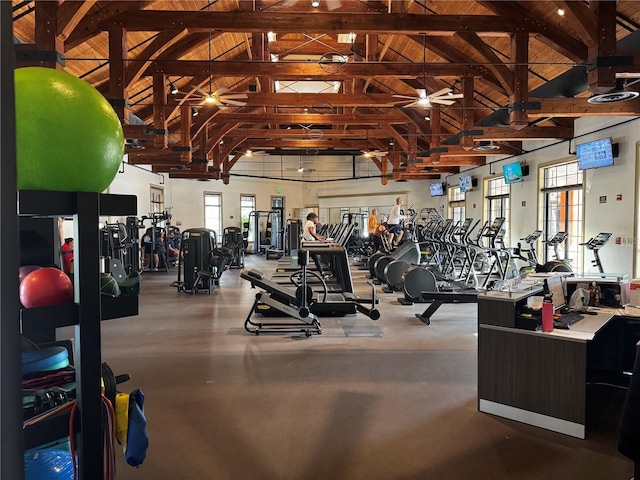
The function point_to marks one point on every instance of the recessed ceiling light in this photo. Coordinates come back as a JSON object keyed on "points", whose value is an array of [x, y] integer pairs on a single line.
{"points": [[485, 147], [560, 12], [315, 3], [612, 97]]}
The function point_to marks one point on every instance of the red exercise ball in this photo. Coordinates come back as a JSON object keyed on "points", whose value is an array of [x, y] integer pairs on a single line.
{"points": [[25, 270], [45, 286]]}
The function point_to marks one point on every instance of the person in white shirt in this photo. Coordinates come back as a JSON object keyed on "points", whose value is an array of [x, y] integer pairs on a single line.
{"points": [[309, 234], [393, 223]]}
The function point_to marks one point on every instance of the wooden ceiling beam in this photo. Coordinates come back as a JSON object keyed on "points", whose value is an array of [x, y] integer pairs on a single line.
{"points": [[468, 161], [304, 134], [533, 132], [313, 118], [414, 176], [346, 6], [319, 22], [579, 107], [69, 16], [309, 70], [458, 151], [602, 78]]}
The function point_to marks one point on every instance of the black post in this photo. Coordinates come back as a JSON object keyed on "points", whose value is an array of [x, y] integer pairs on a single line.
{"points": [[11, 439]]}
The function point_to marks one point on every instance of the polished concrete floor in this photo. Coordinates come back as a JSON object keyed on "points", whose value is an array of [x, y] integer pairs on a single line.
{"points": [[392, 399]]}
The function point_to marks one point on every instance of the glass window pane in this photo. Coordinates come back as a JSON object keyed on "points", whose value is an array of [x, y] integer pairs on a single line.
{"points": [[213, 213]]}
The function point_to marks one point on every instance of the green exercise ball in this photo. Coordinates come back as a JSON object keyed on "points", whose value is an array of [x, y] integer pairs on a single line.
{"points": [[69, 137]]}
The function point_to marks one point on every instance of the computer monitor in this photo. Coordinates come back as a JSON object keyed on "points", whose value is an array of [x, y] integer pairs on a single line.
{"points": [[556, 288]]}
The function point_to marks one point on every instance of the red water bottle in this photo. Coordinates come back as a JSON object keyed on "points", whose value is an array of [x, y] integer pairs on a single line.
{"points": [[547, 314]]}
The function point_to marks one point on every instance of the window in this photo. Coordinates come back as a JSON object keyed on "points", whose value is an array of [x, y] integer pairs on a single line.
{"points": [[456, 204], [157, 199], [497, 202], [213, 213], [563, 210], [247, 205]]}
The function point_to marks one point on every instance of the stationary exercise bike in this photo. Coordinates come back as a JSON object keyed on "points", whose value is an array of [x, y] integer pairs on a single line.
{"points": [[530, 256], [555, 265]]}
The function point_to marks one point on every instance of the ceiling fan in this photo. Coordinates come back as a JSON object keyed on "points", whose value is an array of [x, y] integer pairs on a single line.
{"points": [[221, 98], [253, 153], [303, 166], [441, 97], [373, 153]]}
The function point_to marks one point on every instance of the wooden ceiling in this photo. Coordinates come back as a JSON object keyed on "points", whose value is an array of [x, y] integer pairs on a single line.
{"points": [[297, 79]]}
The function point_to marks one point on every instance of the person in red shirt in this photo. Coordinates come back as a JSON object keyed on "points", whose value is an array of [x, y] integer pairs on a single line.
{"points": [[67, 255], [66, 248]]}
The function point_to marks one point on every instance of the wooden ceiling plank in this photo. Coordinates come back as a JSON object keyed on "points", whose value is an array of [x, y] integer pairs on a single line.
{"points": [[87, 28], [493, 62], [582, 18], [153, 50], [549, 34], [441, 48], [219, 133], [398, 139]]}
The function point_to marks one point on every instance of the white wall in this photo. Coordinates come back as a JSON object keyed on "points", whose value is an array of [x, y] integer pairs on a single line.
{"points": [[188, 198], [137, 180]]}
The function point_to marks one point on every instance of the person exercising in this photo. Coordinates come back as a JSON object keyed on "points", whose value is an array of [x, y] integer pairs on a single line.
{"points": [[309, 234], [378, 235], [394, 223]]}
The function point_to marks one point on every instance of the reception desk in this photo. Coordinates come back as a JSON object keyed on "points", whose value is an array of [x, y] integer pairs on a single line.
{"points": [[541, 378]]}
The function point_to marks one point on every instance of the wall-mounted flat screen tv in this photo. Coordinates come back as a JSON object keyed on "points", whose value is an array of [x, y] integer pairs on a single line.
{"points": [[512, 172], [596, 154], [465, 183], [436, 189]]}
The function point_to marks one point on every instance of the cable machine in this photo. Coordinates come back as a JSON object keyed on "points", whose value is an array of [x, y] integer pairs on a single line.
{"points": [[261, 223]]}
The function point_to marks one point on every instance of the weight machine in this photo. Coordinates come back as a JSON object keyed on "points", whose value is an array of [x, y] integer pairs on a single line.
{"points": [[201, 261], [232, 239], [263, 240]]}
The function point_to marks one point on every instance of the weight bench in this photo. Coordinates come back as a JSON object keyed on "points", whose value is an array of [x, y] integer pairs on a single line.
{"points": [[290, 302], [436, 299]]}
